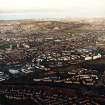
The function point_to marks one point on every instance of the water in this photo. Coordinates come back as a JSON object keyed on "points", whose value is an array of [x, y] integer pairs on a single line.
{"points": [[30, 15]]}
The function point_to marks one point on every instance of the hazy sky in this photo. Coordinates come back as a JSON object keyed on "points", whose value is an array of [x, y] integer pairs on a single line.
{"points": [[76, 8]]}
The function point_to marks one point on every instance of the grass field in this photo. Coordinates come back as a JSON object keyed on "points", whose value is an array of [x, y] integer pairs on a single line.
{"points": [[77, 30]]}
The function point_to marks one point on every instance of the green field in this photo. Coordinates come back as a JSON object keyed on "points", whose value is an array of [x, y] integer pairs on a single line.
{"points": [[77, 30]]}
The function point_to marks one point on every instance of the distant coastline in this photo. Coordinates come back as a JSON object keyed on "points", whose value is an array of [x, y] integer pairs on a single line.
{"points": [[39, 16]]}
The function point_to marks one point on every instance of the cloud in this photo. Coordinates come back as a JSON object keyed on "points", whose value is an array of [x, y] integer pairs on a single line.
{"points": [[64, 7]]}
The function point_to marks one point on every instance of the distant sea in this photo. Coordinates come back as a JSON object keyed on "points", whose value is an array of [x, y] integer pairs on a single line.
{"points": [[30, 15]]}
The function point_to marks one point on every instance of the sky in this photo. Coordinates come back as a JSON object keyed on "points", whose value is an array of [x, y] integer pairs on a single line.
{"points": [[69, 8]]}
